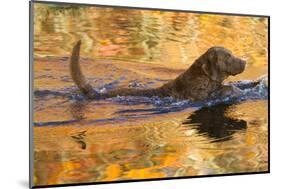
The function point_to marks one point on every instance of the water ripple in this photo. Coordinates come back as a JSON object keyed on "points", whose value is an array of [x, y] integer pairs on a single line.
{"points": [[251, 90]]}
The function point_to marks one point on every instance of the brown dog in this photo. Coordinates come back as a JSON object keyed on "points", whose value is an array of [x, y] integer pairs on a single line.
{"points": [[199, 82]]}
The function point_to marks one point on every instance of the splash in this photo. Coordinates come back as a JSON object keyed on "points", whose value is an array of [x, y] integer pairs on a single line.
{"points": [[250, 90]]}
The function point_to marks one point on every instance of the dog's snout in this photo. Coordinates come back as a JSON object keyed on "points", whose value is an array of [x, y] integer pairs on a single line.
{"points": [[238, 66], [242, 64]]}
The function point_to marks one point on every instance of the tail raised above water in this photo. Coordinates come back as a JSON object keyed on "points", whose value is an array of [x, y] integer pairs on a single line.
{"points": [[85, 87], [77, 74]]}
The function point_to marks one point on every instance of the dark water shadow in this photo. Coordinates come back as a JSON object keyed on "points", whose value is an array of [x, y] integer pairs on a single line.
{"points": [[214, 123], [77, 109], [54, 123]]}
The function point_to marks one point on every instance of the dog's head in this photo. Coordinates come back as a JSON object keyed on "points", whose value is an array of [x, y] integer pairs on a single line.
{"points": [[219, 63]]}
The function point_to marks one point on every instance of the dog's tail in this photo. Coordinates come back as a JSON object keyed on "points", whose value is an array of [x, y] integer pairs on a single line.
{"points": [[78, 76]]}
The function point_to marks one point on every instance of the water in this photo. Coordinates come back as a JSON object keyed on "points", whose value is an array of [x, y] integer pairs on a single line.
{"points": [[78, 140]]}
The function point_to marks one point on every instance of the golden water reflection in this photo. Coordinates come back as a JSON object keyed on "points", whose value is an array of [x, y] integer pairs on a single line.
{"points": [[145, 35], [162, 147], [150, 47]]}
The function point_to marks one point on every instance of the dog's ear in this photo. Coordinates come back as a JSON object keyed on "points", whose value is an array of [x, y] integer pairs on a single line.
{"points": [[210, 65], [210, 71]]}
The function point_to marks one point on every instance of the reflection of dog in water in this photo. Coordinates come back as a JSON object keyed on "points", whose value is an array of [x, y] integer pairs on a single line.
{"points": [[213, 122], [199, 82]]}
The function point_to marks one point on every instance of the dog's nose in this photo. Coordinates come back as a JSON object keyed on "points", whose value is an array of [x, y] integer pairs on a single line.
{"points": [[242, 64]]}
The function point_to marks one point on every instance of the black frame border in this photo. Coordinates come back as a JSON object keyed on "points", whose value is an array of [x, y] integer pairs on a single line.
{"points": [[31, 61]]}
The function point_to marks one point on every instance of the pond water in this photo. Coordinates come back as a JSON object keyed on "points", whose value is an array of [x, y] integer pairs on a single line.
{"points": [[77, 140]]}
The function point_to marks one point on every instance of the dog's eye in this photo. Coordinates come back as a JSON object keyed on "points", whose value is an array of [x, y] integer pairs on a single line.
{"points": [[228, 56]]}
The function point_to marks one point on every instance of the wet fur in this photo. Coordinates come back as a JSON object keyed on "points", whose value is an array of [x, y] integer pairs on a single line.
{"points": [[199, 82]]}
